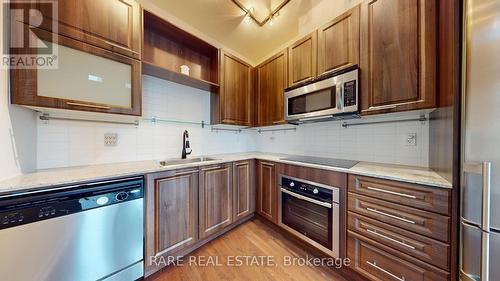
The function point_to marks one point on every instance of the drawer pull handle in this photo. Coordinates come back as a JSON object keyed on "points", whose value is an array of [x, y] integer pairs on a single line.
{"points": [[374, 264], [389, 215], [374, 232], [391, 192]]}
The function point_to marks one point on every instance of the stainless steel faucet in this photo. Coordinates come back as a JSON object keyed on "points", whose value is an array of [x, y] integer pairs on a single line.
{"points": [[186, 149]]}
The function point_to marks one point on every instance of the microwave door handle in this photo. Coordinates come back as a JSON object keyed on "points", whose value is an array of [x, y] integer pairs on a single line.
{"points": [[339, 96]]}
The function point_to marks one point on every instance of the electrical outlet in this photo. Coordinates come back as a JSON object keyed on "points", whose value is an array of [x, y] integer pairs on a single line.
{"points": [[110, 139], [411, 139]]}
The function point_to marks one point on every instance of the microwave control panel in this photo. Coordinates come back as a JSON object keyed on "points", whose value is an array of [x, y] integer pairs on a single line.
{"points": [[350, 93]]}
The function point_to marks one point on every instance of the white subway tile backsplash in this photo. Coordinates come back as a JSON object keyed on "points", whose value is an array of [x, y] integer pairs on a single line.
{"points": [[383, 143], [63, 143]]}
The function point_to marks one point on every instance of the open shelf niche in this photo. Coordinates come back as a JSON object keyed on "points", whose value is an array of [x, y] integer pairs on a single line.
{"points": [[167, 47]]}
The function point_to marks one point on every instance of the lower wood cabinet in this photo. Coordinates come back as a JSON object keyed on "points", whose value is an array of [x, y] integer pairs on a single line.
{"points": [[216, 199], [171, 214], [377, 263], [243, 189], [267, 192], [398, 231]]}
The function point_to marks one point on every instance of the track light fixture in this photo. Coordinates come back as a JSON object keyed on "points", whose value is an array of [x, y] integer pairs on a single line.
{"points": [[249, 13]]}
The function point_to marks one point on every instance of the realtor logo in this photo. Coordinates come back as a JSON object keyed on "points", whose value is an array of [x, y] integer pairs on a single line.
{"points": [[25, 49]]}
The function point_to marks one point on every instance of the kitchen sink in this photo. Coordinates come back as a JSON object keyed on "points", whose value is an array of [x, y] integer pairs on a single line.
{"points": [[178, 161]]}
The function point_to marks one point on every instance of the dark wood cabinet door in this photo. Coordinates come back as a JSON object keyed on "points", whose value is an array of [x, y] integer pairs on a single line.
{"points": [[243, 189], [376, 262], [302, 59], [413, 195], [267, 193], [338, 42], [398, 55], [171, 213], [411, 219], [114, 25], [235, 91], [407, 242], [216, 199], [271, 83]]}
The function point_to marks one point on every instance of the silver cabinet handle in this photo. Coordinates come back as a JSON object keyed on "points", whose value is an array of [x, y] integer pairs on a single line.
{"points": [[374, 264], [391, 192], [298, 196], [382, 107], [374, 232], [212, 168], [88, 105], [186, 173], [389, 215]]}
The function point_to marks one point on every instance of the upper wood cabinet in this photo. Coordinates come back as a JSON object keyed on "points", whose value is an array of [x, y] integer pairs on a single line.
{"points": [[216, 199], [338, 42], [235, 96], [114, 25], [398, 55], [87, 78], [267, 190], [302, 59], [243, 189], [171, 213], [271, 78]]}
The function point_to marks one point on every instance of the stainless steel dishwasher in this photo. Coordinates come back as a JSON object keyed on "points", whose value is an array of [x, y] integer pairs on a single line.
{"points": [[91, 231]]}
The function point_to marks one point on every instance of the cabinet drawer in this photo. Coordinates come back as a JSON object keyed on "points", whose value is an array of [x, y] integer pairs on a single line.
{"points": [[377, 264], [423, 248], [414, 195], [414, 220]]}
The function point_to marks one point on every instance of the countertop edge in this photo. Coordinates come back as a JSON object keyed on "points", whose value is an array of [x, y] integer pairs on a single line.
{"points": [[229, 158]]}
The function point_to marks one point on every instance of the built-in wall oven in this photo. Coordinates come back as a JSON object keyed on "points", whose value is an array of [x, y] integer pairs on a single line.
{"points": [[326, 98], [310, 210]]}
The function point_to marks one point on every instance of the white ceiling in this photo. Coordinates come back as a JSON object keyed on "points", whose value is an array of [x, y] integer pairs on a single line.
{"points": [[223, 21]]}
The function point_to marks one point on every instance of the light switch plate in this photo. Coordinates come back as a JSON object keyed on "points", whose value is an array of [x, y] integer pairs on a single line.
{"points": [[110, 139], [411, 139]]}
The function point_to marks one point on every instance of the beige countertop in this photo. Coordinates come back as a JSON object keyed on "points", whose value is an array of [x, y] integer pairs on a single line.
{"points": [[66, 176]]}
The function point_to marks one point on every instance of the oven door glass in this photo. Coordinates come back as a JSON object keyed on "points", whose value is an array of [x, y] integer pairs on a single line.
{"points": [[312, 220], [312, 102]]}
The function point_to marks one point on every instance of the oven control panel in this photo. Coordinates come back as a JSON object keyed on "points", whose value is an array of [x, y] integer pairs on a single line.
{"points": [[307, 188]]}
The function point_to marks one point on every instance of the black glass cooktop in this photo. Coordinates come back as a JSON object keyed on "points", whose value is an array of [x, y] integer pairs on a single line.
{"points": [[331, 162]]}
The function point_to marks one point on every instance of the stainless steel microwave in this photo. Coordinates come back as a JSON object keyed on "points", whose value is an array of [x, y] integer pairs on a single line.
{"points": [[330, 98]]}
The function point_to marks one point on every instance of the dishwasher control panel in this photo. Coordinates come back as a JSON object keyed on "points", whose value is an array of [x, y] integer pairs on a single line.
{"points": [[27, 208]]}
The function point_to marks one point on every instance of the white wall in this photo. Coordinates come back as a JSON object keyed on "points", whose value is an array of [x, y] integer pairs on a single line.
{"points": [[383, 143], [17, 125], [69, 143]]}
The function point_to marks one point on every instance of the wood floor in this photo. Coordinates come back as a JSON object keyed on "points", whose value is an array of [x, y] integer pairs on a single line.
{"points": [[255, 238]]}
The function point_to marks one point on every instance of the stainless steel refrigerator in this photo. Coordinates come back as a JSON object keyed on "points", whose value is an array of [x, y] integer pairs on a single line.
{"points": [[480, 178]]}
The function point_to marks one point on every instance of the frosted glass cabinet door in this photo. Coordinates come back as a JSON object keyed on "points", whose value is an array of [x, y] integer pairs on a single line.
{"points": [[87, 78]]}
